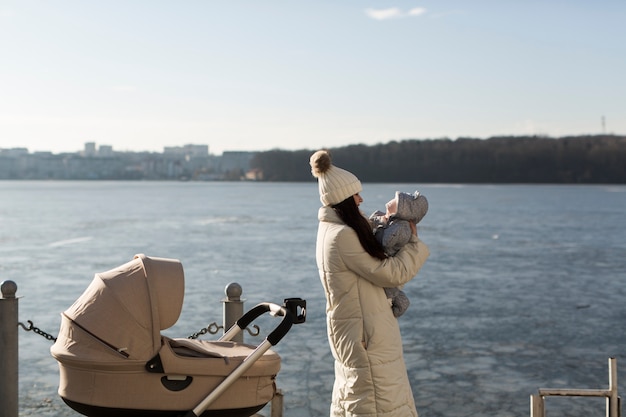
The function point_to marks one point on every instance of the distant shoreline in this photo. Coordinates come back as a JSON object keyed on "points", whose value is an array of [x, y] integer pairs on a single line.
{"points": [[599, 159]]}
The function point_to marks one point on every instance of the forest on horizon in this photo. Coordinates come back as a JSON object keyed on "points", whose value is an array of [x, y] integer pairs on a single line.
{"points": [[597, 159]]}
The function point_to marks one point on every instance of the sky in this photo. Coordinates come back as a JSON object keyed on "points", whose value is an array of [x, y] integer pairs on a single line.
{"points": [[140, 75]]}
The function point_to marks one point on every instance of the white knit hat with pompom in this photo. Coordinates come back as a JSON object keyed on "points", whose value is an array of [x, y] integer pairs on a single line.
{"points": [[335, 184]]}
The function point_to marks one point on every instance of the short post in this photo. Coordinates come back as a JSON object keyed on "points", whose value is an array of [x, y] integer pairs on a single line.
{"points": [[9, 348], [612, 401], [536, 406], [233, 308], [277, 404]]}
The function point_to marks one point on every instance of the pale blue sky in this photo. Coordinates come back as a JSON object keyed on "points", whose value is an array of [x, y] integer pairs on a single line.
{"points": [[257, 75]]}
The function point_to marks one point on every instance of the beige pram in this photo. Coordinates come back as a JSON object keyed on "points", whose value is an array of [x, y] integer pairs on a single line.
{"points": [[113, 359]]}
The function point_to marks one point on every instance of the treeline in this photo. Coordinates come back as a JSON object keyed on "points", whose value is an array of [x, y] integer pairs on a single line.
{"points": [[599, 159]]}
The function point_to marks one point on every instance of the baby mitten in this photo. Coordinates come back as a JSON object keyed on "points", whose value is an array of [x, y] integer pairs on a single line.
{"points": [[399, 301], [378, 219]]}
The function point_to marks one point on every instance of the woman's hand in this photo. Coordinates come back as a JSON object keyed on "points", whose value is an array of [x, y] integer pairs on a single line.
{"points": [[413, 228]]}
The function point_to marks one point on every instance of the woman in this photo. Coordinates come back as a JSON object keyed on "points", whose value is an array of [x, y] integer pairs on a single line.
{"points": [[370, 376]]}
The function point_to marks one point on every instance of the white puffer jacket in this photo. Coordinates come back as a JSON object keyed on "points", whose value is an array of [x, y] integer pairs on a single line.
{"points": [[370, 375]]}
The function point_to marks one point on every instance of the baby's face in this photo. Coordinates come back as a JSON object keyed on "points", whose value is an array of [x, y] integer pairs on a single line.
{"points": [[392, 207]]}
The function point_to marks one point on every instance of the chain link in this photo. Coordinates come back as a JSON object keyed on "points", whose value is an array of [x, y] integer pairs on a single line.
{"points": [[37, 330], [212, 328]]}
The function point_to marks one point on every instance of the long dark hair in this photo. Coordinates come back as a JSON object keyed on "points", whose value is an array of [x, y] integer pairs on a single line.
{"points": [[349, 212]]}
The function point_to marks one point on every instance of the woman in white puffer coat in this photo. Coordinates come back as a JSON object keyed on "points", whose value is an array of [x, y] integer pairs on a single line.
{"points": [[364, 336]]}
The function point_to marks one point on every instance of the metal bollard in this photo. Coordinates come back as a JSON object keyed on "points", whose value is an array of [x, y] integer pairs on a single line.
{"points": [[9, 348], [233, 311], [233, 308]]}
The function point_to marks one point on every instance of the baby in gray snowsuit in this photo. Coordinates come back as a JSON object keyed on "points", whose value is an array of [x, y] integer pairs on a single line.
{"points": [[392, 230]]}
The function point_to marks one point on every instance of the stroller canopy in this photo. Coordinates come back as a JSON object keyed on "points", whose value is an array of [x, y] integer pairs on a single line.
{"points": [[123, 311]]}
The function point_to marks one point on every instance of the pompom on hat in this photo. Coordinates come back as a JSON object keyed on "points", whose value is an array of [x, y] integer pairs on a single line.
{"points": [[335, 184]]}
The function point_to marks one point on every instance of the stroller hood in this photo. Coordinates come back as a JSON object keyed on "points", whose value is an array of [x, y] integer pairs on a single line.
{"points": [[121, 313]]}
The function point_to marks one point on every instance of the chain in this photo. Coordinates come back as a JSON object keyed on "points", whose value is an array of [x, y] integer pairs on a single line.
{"points": [[211, 328], [37, 330]]}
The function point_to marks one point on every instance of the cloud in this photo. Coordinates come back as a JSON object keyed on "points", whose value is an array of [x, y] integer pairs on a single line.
{"points": [[393, 13], [417, 11], [383, 14]]}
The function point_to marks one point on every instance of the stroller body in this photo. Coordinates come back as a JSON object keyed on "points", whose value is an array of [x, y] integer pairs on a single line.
{"points": [[113, 359]]}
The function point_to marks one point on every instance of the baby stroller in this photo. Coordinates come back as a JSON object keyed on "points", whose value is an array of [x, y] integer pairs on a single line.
{"points": [[113, 359]]}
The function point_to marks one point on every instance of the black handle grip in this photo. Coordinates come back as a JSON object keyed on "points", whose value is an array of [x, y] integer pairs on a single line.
{"points": [[297, 306], [280, 331]]}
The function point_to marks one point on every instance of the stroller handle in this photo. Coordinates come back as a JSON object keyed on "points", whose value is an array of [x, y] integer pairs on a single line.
{"points": [[293, 311], [288, 312]]}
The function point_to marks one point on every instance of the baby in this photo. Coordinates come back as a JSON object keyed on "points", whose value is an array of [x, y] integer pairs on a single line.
{"points": [[393, 231]]}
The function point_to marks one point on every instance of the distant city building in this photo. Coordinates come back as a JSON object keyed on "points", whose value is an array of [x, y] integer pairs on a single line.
{"points": [[90, 149], [188, 162], [14, 152], [192, 151], [236, 161], [105, 151], [254, 175]]}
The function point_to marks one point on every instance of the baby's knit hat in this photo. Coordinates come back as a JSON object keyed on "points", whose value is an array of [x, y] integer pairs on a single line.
{"points": [[411, 207], [335, 184]]}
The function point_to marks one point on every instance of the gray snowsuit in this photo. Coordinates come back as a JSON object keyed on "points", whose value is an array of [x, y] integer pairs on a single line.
{"points": [[392, 230]]}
